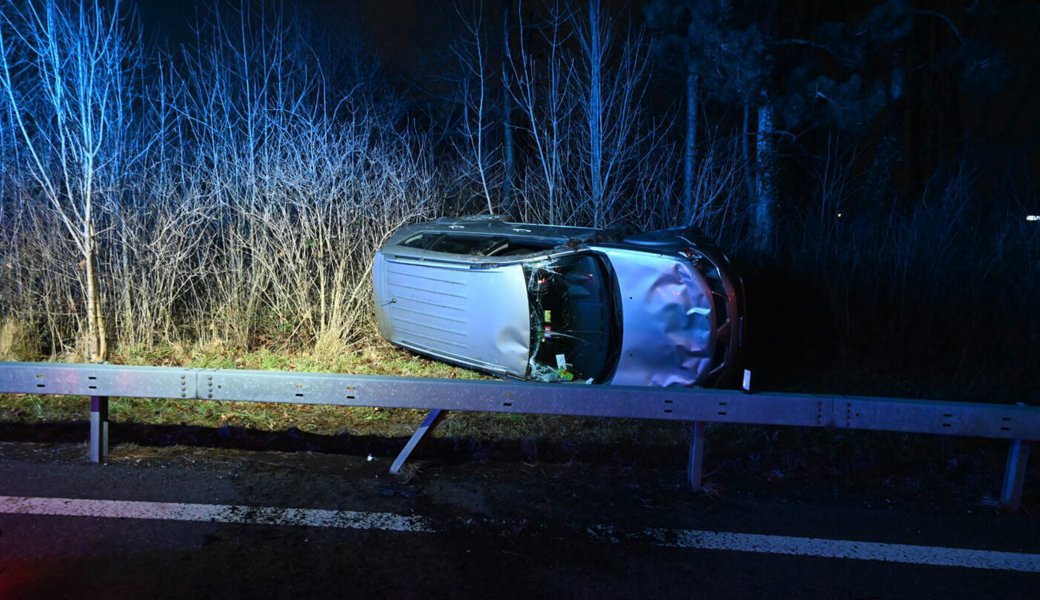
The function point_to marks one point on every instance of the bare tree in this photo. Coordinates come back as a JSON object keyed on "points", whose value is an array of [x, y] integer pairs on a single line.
{"points": [[765, 166], [303, 181], [594, 49], [68, 117], [542, 93], [612, 87], [475, 101], [508, 149], [156, 264]]}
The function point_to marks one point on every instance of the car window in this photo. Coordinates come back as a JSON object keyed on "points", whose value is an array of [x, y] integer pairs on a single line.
{"points": [[572, 319]]}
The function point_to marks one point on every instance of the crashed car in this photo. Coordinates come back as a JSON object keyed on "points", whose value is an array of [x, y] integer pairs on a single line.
{"points": [[562, 304]]}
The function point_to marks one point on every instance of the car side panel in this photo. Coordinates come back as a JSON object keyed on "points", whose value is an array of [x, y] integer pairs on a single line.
{"points": [[476, 317]]}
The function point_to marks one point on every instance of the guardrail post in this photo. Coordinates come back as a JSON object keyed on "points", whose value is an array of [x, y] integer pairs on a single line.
{"points": [[696, 467], [1015, 474], [433, 418], [98, 428]]}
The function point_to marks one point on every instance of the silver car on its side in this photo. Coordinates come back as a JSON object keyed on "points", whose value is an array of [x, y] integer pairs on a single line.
{"points": [[552, 303]]}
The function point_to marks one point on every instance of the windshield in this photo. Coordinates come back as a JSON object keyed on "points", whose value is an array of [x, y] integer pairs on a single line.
{"points": [[572, 319]]}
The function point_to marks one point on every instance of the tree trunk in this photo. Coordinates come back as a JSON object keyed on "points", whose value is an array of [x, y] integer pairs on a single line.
{"points": [[745, 153], [764, 228], [97, 346], [507, 116], [128, 333], [690, 162], [595, 113]]}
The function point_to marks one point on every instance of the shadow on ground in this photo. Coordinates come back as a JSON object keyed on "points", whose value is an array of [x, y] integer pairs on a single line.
{"points": [[452, 449]]}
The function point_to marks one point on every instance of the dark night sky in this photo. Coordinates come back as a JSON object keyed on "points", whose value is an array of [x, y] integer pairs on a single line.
{"points": [[412, 38], [404, 33]]}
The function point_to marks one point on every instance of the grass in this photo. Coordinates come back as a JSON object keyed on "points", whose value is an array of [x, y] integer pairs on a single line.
{"points": [[15, 340]]}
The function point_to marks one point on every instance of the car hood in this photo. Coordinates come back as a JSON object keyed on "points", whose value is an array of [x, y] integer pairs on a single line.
{"points": [[667, 319], [470, 316]]}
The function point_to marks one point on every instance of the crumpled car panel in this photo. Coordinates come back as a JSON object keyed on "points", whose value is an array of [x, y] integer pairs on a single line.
{"points": [[667, 320]]}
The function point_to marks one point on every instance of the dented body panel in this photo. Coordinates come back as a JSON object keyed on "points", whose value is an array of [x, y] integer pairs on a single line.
{"points": [[667, 316]]}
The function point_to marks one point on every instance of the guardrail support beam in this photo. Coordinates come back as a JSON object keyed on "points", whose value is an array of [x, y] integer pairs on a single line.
{"points": [[433, 418], [697, 406], [1015, 474], [696, 467], [98, 428]]}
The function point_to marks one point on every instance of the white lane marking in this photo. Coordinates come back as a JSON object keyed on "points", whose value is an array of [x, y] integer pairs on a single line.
{"points": [[382, 521], [214, 513], [822, 548]]}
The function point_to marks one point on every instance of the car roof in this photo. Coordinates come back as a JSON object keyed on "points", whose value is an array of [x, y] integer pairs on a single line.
{"points": [[486, 224], [662, 240], [443, 310], [541, 238]]}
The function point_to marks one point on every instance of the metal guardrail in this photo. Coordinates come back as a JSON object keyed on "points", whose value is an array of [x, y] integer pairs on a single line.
{"points": [[1017, 423]]}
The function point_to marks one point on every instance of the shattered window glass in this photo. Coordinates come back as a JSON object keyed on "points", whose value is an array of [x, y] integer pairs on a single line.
{"points": [[572, 317]]}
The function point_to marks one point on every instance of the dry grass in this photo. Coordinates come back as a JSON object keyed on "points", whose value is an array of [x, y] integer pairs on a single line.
{"points": [[15, 341]]}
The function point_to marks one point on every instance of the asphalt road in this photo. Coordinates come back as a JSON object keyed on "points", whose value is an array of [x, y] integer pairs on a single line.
{"points": [[181, 522]]}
